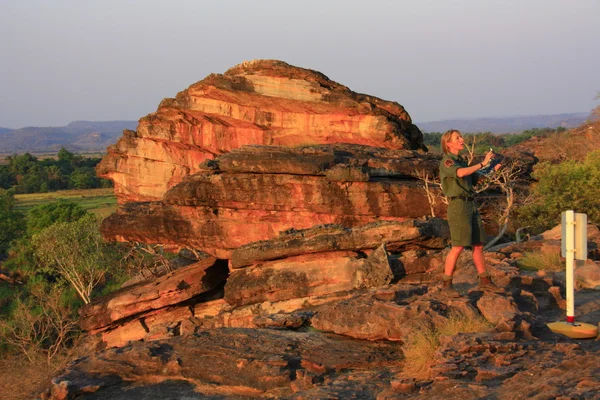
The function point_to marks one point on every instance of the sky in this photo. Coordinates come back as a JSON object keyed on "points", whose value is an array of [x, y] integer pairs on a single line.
{"points": [[101, 60]]}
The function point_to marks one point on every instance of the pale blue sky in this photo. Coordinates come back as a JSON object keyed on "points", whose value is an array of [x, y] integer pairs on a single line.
{"points": [[66, 60]]}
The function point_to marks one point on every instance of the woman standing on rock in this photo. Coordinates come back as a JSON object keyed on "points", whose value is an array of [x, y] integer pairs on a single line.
{"points": [[466, 228]]}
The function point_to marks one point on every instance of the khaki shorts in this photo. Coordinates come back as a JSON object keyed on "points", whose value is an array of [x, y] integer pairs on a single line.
{"points": [[466, 227]]}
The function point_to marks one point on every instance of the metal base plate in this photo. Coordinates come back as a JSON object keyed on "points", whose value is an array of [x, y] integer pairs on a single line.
{"points": [[580, 330]]}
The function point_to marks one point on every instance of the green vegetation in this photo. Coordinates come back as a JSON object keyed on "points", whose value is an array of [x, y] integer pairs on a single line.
{"points": [[74, 251], [535, 261], [29, 322], [12, 222], [45, 215], [57, 261], [101, 202], [566, 186], [52, 251], [27, 174]]}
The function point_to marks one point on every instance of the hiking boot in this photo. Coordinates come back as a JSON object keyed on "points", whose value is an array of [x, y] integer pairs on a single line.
{"points": [[485, 283], [449, 290]]}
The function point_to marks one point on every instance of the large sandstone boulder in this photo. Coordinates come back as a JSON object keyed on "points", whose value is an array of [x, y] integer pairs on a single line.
{"points": [[307, 276], [259, 102], [301, 267]]}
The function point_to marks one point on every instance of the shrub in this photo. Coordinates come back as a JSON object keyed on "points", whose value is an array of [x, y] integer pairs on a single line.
{"points": [[535, 261], [44, 215], [42, 325], [566, 186]]}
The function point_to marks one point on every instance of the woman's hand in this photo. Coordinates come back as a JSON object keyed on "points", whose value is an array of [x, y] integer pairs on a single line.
{"points": [[488, 158], [497, 167]]}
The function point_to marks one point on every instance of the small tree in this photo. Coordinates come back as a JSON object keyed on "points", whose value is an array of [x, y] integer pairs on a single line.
{"points": [[76, 252], [507, 179], [433, 190]]}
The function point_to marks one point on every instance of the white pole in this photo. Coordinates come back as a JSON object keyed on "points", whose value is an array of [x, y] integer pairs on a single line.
{"points": [[570, 256]]}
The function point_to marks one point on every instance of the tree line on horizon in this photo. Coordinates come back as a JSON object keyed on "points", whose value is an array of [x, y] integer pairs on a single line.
{"points": [[485, 140], [25, 173]]}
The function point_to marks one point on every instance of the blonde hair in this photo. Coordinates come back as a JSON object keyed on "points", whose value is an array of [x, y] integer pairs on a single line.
{"points": [[446, 138]]}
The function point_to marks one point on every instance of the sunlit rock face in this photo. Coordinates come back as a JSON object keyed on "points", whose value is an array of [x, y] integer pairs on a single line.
{"points": [[257, 192], [264, 102]]}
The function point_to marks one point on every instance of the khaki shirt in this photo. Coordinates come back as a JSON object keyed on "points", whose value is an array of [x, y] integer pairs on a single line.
{"points": [[452, 185]]}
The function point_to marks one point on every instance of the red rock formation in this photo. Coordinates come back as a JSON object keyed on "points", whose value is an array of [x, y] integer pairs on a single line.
{"points": [[301, 266], [231, 204], [224, 363], [259, 102]]}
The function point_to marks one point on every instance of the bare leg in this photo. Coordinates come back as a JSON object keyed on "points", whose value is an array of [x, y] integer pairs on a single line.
{"points": [[451, 259], [485, 282], [478, 258]]}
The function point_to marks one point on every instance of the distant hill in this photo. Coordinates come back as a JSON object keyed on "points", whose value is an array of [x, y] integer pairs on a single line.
{"points": [[82, 136], [515, 124], [78, 136]]}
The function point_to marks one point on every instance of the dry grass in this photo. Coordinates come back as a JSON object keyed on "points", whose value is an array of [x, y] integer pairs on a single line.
{"points": [[535, 261], [420, 351], [21, 379]]}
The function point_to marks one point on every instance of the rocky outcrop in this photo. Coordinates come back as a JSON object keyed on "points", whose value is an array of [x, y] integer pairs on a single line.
{"points": [[301, 267], [259, 363], [573, 144], [300, 216], [264, 102], [236, 363], [372, 316], [239, 201]]}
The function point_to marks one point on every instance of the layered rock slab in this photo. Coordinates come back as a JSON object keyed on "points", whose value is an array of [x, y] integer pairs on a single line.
{"points": [[389, 313], [428, 233], [307, 276], [176, 287], [301, 267], [260, 102], [254, 194], [316, 160]]}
